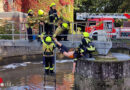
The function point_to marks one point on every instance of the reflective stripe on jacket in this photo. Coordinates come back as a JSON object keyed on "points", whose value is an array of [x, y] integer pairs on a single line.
{"points": [[58, 31], [91, 48], [48, 49], [87, 40], [30, 22]]}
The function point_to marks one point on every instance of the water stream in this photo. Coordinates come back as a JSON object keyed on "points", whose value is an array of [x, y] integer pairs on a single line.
{"points": [[30, 76]]}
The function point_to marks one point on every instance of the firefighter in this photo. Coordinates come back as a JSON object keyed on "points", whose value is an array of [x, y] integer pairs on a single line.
{"points": [[53, 18], [48, 54], [61, 29], [44, 20], [29, 25], [87, 45], [53, 13], [40, 21], [78, 30]]}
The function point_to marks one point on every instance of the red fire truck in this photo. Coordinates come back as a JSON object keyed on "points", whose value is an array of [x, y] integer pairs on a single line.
{"points": [[105, 22]]}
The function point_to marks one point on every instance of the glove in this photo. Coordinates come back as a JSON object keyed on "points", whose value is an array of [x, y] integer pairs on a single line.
{"points": [[75, 59], [55, 18], [54, 35], [81, 51], [41, 35]]}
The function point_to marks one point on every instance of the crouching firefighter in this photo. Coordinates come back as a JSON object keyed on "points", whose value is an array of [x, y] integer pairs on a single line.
{"points": [[87, 45], [48, 54]]}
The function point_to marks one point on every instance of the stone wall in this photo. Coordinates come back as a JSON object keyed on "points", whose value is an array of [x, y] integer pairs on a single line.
{"points": [[94, 84], [7, 51], [17, 48], [23, 48], [102, 75], [103, 70]]}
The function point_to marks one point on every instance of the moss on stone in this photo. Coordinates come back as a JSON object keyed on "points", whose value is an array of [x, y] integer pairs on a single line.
{"points": [[105, 59]]}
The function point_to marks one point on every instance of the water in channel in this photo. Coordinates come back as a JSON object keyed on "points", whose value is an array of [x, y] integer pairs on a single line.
{"points": [[30, 76]]}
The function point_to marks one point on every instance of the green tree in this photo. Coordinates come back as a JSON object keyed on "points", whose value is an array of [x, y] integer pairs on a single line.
{"points": [[124, 7], [102, 6], [113, 6]]}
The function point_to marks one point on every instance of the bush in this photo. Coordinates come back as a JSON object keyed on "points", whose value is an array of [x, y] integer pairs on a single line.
{"points": [[7, 29]]}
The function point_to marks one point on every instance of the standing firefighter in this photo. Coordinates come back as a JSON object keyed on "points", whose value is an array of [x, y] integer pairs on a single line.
{"points": [[53, 17], [87, 45], [48, 54], [41, 22], [62, 29], [30, 23]]}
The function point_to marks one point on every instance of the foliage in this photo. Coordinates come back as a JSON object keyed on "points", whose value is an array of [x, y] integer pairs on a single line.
{"points": [[3, 31], [125, 6], [102, 6], [64, 7], [6, 29]]}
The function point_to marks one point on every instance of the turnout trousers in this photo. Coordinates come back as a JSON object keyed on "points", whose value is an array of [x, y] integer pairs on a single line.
{"points": [[48, 62]]}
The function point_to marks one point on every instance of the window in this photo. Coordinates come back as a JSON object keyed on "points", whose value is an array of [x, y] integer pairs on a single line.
{"points": [[108, 26], [92, 23]]}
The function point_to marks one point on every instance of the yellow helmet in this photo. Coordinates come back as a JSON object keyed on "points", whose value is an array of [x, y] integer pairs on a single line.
{"points": [[52, 4], [79, 28], [30, 10], [65, 25], [48, 39], [85, 34], [40, 12]]}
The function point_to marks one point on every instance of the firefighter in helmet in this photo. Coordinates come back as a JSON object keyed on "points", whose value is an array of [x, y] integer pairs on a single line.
{"points": [[53, 13], [40, 21], [30, 24], [48, 54], [63, 28], [87, 45], [53, 18]]}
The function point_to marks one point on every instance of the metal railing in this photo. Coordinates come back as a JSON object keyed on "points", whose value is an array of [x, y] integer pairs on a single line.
{"points": [[15, 14], [100, 37], [22, 32]]}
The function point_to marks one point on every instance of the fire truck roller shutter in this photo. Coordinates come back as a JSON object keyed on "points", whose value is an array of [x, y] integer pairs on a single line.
{"points": [[99, 35]]}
